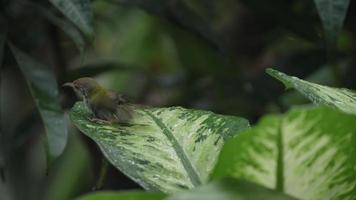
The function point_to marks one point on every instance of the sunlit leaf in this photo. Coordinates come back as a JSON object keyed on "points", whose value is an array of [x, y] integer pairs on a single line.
{"points": [[43, 87], [340, 98], [230, 189], [79, 12], [305, 153], [164, 149], [332, 14], [132, 195]]}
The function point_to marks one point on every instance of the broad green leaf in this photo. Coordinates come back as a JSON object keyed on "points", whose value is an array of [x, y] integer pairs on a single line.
{"points": [[162, 149], [132, 195], [230, 189], [79, 12], [332, 14], [340, 98], [43, 87], [305, 153]]}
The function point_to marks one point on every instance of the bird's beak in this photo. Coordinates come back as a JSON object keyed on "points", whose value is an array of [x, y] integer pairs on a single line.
{"points": [[69, 84]]}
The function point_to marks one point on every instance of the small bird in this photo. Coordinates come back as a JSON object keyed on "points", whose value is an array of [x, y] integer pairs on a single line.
{"points": [[106, 106]]}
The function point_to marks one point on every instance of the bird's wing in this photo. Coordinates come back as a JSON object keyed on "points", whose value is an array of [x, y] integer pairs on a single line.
{"points": [[118, 98]]}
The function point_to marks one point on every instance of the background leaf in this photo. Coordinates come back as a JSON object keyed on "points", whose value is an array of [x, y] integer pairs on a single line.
{"points": [[2, 46], [229, 189], [79, 12], [343, 99], [165, 149], [332, 14], [43, 87], [76, 155], [68, 28], [305, 153], [180, 14], [134, 195]]}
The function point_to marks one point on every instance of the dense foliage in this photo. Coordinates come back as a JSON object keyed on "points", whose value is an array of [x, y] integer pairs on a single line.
{"points": [[187, 61]]}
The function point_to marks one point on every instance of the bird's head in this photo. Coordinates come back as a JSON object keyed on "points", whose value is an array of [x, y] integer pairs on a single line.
{"points": [[84, 86]]}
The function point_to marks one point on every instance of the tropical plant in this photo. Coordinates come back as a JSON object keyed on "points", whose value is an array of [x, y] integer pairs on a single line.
{"points": [[178, 52]]}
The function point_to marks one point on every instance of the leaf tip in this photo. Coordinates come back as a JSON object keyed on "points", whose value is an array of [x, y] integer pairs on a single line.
{"points": [[284, 78]]}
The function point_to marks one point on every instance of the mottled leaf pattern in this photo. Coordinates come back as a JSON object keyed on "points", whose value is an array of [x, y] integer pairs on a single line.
{"points": [[305, 153], [79, 12], [332, 14], [165, 149], [43, 87], [340, 98]]}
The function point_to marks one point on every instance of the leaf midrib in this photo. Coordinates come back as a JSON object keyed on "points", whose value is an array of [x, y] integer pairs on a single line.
{"points": [[193, 175]]}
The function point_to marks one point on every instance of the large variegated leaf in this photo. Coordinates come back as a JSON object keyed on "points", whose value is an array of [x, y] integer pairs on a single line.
{"points": [[165, 149], [332, 14], [43, 87], [340, 98], [305, 153], [79, 12]]}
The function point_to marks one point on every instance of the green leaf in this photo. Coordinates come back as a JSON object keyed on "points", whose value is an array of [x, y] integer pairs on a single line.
{"points": [[75, 162], [230, 189], [162, 149], [332, 14], [79, 12], [180, 14], [43, 87], [133, 195], [340, 98], [69, 29], [305, 153]]}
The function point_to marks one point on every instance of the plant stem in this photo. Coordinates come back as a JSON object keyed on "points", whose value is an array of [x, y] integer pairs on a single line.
{"points": [[331, 57], [102, 174]]}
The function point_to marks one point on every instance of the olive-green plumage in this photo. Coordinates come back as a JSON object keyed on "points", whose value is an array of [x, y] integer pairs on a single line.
{"points": [[105, 104]]}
